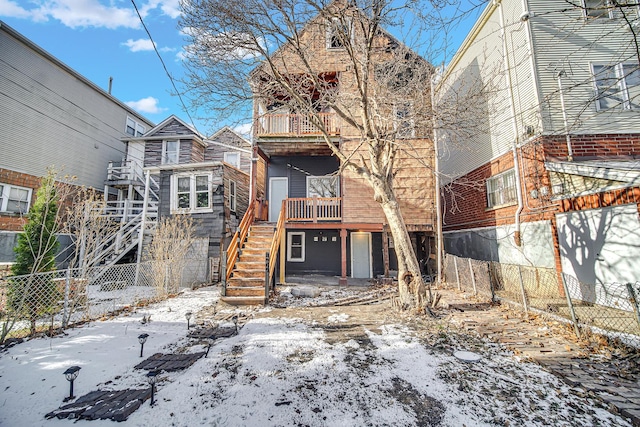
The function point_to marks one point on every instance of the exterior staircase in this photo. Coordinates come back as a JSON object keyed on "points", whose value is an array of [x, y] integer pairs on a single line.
{"points": [[246, 286]]}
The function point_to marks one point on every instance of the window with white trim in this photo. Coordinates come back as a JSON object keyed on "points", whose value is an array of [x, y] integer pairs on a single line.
{"points": [[14, 199], [501, 189], [233, 158], [593, 9], [617, 86], [338, 32], [403, 120], [323, 186], [191, 192], [232, 196], [170, 152], [134, 128], [295, 246]]}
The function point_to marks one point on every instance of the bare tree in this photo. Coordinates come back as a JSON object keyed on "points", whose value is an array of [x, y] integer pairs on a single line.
{"points": [[266, 52]]}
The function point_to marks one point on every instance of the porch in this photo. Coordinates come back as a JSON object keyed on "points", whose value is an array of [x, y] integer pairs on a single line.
{"points": [[297, 125]]}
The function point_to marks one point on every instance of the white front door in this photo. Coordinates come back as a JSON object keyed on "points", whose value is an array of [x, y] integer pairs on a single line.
{"points": [[361, 255], [278, 190]]}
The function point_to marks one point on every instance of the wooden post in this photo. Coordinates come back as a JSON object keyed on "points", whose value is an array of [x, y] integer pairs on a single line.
{"points": [[473, 277], [385, 252], [455, 264], [576, 327], [343, 257], [524, 292], [283, 253]]}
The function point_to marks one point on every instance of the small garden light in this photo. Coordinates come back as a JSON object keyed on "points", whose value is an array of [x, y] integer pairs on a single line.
{"points": [[152, 378], [188, 316], [142, 338], [71, 374]]}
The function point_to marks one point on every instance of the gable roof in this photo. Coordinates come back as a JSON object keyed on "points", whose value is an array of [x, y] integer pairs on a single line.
{"points": [[172, 120]]}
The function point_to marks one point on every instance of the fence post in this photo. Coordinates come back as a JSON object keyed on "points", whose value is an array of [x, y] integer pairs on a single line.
{"points": [[266, 278], [65, 309], [524, 293], [223, 272], [455, 265], [473, 277], [634, 301], [570, 304]]}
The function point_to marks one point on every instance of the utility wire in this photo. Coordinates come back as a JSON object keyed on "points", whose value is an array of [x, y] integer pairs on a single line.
{"points": [[164, 66]]}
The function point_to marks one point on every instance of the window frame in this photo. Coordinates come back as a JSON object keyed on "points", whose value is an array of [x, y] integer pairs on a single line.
{"points": [[290, 246], [164, 160], [233, 195], [621, 86], [5, 198], [407, 119], [606, 12], [193, 193], [331, 25], [137, 128], [504, 201], [337, 185], [236, 164]]}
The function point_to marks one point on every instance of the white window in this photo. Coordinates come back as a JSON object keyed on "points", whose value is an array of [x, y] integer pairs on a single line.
{"points": [[323, 186], [170, 152], [617, 86], [295, 246], [338, 32], [232, 196], [233, 158], [501, 189], [14, 199], [134, 128], [596, 9], [191, 193], [403, 120]]}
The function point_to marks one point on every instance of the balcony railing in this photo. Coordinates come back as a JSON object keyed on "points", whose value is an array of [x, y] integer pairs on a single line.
{"points": [[314, 209], [296, 125]]}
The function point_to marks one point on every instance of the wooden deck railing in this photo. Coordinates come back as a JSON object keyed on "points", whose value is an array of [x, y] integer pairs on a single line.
{"points": [[296, 125], [314, 209], [273, 251], [236, 242]]}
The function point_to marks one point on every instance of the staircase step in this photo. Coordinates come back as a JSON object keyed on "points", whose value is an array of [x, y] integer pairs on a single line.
{"points": [[246, 291], [239, 282], [233, 300], [247, 273]]}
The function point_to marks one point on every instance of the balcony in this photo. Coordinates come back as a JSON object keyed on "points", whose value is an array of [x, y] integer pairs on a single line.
{"points": [[295, 125], [314, 209]]}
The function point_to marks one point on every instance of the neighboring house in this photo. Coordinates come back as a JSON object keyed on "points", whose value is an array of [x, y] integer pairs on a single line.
{"points": [[173, 170], [332, 224], [51, 116], [547, 171]]}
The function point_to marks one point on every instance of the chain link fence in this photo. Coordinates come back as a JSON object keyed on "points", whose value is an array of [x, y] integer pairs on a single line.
{"points": [[48, 301], [607, 309]]}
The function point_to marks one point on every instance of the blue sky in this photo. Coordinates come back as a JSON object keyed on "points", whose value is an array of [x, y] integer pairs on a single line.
{"points": [[104, 38]]}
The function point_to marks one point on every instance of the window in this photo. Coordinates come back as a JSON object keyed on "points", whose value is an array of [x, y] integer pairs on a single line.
{"points": [[501, 189], [295, 246], [170, 152], [596, 9], [232, 196], [617, 86], [403, 120], [14, 199], [232, 158], [134, 128], [338, 32], [323, 186], [191, 193]]}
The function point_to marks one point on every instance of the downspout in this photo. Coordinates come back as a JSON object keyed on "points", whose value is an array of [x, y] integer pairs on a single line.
{"points": [[514, 121], [439, 238], [564, 117]]}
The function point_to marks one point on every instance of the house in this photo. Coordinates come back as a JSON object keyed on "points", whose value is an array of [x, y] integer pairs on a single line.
{"points": [[173, 170], [51, 115], [323, 219], [543, 169]]}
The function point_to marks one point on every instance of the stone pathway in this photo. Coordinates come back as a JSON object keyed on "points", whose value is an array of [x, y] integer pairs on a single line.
{"points": [[614, 380], [103, 405]]}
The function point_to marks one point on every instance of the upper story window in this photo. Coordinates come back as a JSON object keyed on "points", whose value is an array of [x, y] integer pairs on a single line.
{"points": [[14, 199], [233, 158], [134, 128], [232, 196], [617, 86], [338, 32], [323, 186], [593, 9], [501, 189], [170, 152], [403, 120], [191, 192]]}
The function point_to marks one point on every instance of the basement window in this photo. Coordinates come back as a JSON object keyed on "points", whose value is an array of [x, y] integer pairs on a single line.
{"points": [[14, 199], [501, 189], [295, 246]]}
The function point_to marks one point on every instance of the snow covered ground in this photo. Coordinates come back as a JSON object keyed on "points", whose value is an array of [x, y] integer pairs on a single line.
{"points": [[286, 371]]}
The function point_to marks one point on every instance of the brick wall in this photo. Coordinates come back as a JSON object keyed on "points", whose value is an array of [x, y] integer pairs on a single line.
{"points": [[15, 222]]}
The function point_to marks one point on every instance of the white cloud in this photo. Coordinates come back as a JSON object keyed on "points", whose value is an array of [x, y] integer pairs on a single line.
{"points": [[146, 105], [139, 45], [11, 9], [243, 129], [168, 7]]}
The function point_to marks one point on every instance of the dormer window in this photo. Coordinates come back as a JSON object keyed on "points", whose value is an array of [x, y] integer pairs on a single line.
{"points": [[338, 32], [170, 152]]}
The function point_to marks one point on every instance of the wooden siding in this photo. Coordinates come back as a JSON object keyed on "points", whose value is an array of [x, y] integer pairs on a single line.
{"points": [[242, 191], [298, 168], [229, 138], [173, 129], [190, 152], [51, 115]]}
